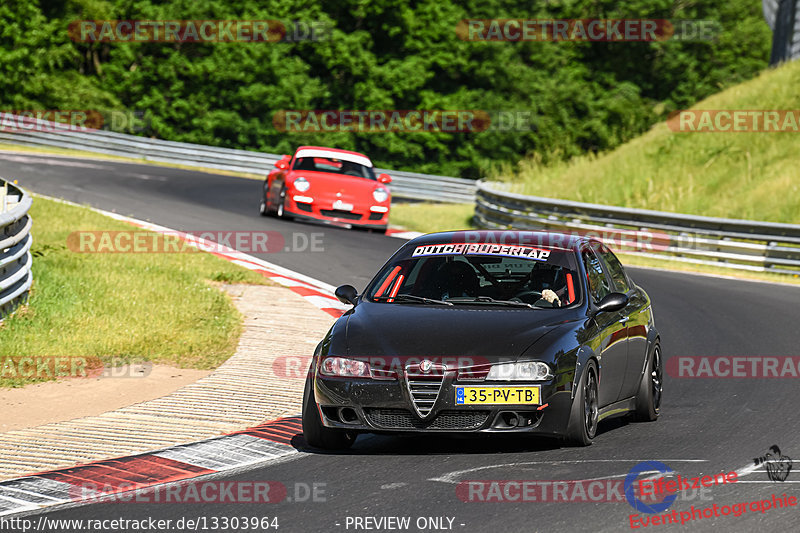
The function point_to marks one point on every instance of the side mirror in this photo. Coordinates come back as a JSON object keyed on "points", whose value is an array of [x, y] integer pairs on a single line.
{"points": [[612, 302], [347, 294], [283, 165], [385, 178]]}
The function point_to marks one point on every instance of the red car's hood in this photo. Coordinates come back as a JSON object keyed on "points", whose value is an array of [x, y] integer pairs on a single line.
{"points": [[323, 183]]}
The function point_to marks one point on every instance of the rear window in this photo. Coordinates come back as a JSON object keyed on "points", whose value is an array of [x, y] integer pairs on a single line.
{"points": [[460, 273]]}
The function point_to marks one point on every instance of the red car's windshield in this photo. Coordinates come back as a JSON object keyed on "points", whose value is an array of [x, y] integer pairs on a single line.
{"points": [[333, 166]]}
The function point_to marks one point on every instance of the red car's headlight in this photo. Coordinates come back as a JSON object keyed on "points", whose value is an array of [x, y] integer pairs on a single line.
{"points": [[380, 194], [343, 367], [301, 184]]}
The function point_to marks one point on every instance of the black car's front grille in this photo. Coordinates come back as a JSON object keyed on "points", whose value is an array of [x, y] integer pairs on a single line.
{"points": [[340, 214], [444, 421], [424, 387]]}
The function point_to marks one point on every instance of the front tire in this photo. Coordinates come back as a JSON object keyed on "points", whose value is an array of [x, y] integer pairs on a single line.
{"points": [[584, 415], [648, 398], [317, 435], [281, 211]]}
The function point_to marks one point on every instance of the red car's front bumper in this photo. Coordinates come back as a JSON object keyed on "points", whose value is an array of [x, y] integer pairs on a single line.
{"points": [[326, 210]]}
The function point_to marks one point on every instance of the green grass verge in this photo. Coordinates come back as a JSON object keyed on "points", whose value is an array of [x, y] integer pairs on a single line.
{"points": [[649, 262], [738, 175], [159, 307], [430, 217]]}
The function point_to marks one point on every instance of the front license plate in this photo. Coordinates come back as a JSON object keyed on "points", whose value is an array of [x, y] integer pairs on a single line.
{"points": [[497, 395], [342, 206]]}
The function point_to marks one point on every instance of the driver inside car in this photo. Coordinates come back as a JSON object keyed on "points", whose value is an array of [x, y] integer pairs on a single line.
{"points": [[350, 169], [549, 283]]}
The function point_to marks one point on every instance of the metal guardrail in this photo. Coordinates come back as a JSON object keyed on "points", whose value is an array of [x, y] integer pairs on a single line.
{"points": [[740, 244], [15, 244], [407, 185]]}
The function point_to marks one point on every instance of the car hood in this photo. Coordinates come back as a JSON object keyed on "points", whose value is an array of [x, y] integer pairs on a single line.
{"points": [[352, 185], [407, 330]]}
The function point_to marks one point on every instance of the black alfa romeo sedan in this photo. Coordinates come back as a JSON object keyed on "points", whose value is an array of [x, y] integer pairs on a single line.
{"points": [[487, 332]]}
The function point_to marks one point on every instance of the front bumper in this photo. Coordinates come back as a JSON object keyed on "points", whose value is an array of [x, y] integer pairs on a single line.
{"points": [[324, 210], [386, 406]]}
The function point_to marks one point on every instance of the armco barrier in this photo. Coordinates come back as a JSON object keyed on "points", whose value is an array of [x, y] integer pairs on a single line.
{"points": [[740, 244], [38, 132], [15, 244]]}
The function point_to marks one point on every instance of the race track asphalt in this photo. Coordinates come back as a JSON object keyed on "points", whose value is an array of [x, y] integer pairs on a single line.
{"points": [[707, 426]]}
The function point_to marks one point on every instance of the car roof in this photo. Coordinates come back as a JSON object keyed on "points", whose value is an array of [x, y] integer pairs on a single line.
{"points": [[335, 153], [504, 237]]}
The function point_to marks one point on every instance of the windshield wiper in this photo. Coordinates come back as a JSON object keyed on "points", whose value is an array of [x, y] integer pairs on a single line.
{"points": [[410, 298], [489, 300]]}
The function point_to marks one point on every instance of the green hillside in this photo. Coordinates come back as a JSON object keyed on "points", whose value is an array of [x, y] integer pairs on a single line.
{"points": [[722, 174]]}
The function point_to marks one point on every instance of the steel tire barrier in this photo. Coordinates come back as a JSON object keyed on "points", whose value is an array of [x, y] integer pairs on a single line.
{"points": [[15, 245], [741, 244], [407, 185]]}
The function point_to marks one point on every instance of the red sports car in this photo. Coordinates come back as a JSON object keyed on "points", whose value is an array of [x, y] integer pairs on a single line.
{"points": [[330, 185]]}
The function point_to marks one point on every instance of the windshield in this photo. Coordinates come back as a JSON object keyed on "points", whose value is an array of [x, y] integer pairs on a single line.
{"points": [[333, 166], [480, 275]]}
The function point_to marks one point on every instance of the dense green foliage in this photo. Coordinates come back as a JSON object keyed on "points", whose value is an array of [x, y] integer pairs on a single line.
{"points": [[382, 54]]}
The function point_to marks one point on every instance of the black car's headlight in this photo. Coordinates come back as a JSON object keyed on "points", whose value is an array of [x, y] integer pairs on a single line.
{"points": [[527, 371], [344, 367]]}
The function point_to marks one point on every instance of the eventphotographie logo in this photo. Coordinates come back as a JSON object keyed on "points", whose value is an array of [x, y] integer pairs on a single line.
{"points": [[777, 465]]}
